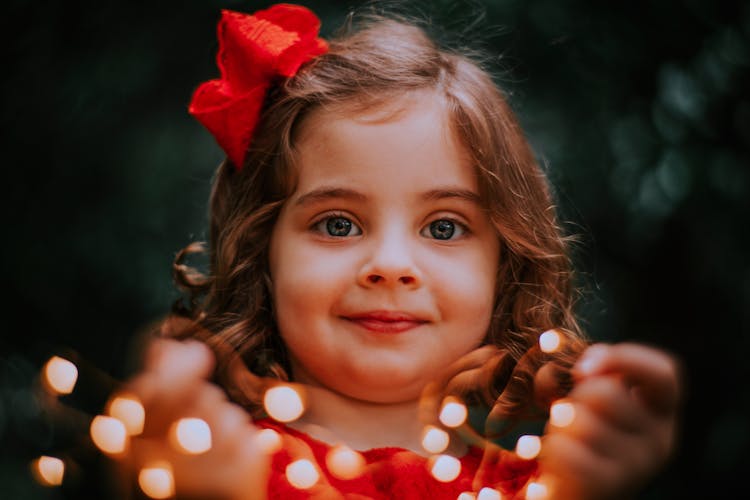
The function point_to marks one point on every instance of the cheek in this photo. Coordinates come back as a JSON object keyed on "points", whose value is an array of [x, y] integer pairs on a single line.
{"points": [[305, 270], [468, 284], [306, 282]]}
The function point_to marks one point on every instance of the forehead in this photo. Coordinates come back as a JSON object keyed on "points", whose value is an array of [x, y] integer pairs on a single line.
{"points": [[407, 138]]}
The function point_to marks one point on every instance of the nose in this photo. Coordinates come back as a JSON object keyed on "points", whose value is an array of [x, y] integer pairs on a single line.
{"points": [[390, 263]]}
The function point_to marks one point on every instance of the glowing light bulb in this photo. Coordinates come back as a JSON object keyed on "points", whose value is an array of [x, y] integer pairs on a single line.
{"points": [[435, 440], [536, 491], [129, 411], [157, 481], [283, 403], [453, 414], [302, 474], [345, 463], [49, 471], [445, 468], [61, 375], [489, 494], [528, 447], [466, 496], [268, 440], [108, 434], [562, 414], [549, 341], [192, 435]]}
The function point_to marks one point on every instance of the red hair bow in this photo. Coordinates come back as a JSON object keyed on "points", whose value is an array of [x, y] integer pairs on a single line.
{"points": [[254, 50]]}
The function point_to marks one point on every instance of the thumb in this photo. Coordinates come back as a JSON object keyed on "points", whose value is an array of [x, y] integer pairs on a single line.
{"points": [[653, 372]]}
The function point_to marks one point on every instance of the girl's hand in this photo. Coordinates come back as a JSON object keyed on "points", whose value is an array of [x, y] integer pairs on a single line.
{"points": [[174, 385], [625, 399]]}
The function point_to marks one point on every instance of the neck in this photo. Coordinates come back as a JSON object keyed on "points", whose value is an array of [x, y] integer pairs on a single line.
{"points": [[362, 425]]}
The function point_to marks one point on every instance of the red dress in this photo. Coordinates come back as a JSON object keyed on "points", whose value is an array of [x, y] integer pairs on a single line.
{"points": [[394, 472]]}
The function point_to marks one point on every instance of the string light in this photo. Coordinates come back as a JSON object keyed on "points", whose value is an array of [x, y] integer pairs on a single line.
{"points": [[453, 413], [528, 447], [157, 481], [549, 341], [344, 463], [108, 434], [487, 493], [268, 440], [302, 474], [536, 491], [445, 468], [283, 403], [61, 375], [129, 411], [191, 435], [562, 413], [48, 470], [435, 440]]}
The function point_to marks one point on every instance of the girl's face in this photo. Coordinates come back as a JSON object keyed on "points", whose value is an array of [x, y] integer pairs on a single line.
{"points": [[383, 262]]}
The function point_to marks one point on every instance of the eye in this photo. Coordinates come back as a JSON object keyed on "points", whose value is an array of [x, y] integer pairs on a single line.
{"points": [[337, 226], [444, 229]]}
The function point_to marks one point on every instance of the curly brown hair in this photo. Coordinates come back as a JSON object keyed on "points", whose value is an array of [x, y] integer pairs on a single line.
{"points": [[231, 306]]}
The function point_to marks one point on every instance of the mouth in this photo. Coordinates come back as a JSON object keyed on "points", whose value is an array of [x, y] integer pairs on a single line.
{"points": [[386, 321]]}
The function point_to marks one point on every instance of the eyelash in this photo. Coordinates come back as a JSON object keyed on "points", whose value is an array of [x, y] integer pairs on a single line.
{"points": [[461, 227], [318, 227]]}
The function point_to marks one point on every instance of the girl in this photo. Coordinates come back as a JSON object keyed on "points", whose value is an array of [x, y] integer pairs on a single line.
{"points": [[383, 240]]}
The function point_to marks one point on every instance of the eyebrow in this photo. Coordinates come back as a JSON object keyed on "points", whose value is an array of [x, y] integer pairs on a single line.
{"points": [[327, 193], [451, 192]]}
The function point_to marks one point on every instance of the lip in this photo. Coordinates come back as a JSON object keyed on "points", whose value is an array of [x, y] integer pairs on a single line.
{"points": [[386, 321]]}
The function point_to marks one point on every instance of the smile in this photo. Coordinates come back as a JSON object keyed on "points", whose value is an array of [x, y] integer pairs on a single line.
{"points": [[386, 321]]}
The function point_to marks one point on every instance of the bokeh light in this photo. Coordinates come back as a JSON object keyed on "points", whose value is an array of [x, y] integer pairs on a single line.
{"points": [[108, 434], [536, 491], [528, 447], [445, 468], [302, 474], [562, 413], [345, 463], [157, 481], [434, 439], [49, 471], [488, 493], [549, 341], [192, 435], [268, 440], [129, 411], [283, 403], [453, 413], [61, 375]]}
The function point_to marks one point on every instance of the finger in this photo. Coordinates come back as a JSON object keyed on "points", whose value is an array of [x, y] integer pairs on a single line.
{"points": [[166, 397], [605, 455], [226, 420], [612, 400], [575, 471], [172, 367], [551, 382], [234, 462], [176, 361], [601, 436], [654, 372]]}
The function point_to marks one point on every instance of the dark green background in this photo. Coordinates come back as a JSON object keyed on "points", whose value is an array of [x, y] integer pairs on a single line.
{"points": [[639, 110]]}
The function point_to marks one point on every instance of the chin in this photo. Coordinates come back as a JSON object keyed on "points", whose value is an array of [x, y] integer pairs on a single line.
{"points": [[383, 389]]}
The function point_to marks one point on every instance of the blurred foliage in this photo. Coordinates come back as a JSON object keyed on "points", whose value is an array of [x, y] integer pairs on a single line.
{"points": [[640, 111]]}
